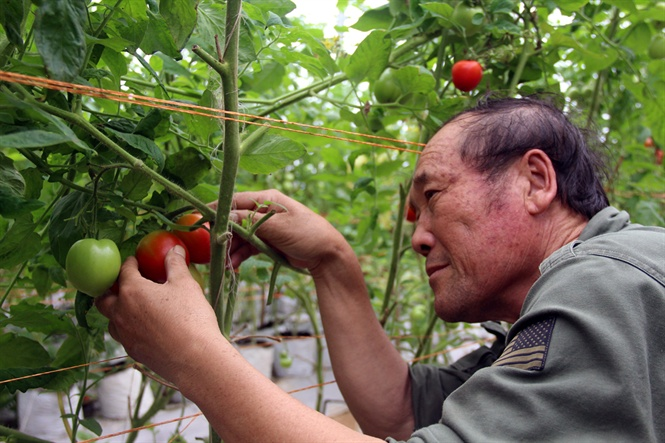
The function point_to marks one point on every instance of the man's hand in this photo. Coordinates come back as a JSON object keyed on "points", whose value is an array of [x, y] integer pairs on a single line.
{"points": [[150, 319], [306, 239]]}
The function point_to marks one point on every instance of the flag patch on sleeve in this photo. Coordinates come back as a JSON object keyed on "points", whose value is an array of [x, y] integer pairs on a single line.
{"points": [[528, 349]]}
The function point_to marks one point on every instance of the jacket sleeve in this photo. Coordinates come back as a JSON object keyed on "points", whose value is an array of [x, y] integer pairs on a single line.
{"points": [[432, 384]]}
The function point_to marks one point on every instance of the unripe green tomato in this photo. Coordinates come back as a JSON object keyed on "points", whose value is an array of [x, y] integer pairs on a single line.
{"points": [[93, 265], [463, 17], [285, 360], [386, 89], [418, 314], [657, 47]]}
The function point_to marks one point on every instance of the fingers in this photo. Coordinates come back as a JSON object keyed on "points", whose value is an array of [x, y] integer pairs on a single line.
{"points": [[176, 265], [262, 201]]}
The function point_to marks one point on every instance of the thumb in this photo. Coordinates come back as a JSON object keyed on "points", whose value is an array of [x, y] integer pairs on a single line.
{"points": [[176, 263]]}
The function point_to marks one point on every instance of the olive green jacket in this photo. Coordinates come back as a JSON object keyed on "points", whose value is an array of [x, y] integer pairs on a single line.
{"points": [[586, 359]]}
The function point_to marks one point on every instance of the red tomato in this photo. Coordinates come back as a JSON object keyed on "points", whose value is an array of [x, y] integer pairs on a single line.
{"points": [[198, 240], [648, 143], [151, 252], [410, 214], [659, 156], [467, 74]]}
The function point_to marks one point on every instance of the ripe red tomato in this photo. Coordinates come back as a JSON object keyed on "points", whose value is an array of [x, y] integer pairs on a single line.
{"points": [[198, 240], [410, 214], [151, 252], [659, 156], [648, 143], [467, 74]]}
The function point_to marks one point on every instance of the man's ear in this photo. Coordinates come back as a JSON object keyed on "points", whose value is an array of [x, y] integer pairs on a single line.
{"points": [[536, 167]]}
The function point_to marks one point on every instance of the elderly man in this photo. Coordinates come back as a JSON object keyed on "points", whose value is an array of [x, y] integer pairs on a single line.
{"points": [[515, 226]]}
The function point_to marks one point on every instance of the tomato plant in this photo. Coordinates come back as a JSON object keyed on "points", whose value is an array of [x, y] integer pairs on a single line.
{"points": [[151, 252], [467, 74], [197, 240], [93, 265]]}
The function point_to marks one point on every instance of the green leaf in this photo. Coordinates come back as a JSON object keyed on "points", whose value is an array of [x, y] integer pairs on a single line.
{"points": [[132, 21], [21, 352], [41, 279], [415, 79], [199, 125], [188, 166], [379, 18], [180, 17], [370, 58], [278, 7], [82, 304], [135, 185], [143, 144], [11, 19], [571, 5], [439, 10], [92, 425], [13, 203], [64, 228], [38, 317], [270, 153], [20, 244], [60, 38], [32, 139], [28, 378], [158, 37]]}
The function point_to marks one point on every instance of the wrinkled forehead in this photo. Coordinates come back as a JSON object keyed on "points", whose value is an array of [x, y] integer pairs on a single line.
{"points": [[442, 149]]}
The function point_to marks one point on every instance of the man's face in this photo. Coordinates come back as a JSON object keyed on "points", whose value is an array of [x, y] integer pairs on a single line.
{"points": [[472, 233]]}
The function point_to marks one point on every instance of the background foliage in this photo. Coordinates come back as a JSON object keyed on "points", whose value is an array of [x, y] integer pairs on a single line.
{"points": [[62, 178]]}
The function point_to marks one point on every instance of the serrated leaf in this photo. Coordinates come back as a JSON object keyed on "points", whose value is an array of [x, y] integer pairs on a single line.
{"points": [[27, 378], [135, 185], [370, 58], [40, 318], [63, 228], [20, 244], [21, 352], [188, 166], [11, 18], [180, 18], [379, 18], [60, 38], [158, 37], [13, 203], [143, 144], [270, 153]]}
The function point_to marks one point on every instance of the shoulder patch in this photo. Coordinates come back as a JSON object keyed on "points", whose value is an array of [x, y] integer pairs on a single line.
{"points": [[528, 349]]}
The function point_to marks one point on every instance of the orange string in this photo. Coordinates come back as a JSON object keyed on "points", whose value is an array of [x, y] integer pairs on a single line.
{"points": [[189, 108]]}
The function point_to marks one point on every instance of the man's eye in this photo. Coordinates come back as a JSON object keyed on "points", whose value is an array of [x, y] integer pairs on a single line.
{"points": [[429, 194]]}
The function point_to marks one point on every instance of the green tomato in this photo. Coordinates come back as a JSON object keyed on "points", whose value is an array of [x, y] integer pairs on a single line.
{"points": [[386, 89], [463, 16], [93, 265], [657, 47], [285, 359]]}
